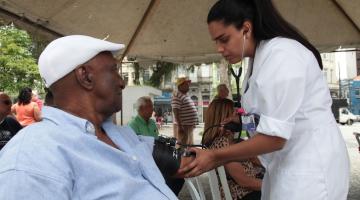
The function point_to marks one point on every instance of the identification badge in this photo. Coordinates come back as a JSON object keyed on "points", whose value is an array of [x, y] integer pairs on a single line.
{"points": [[249, 123]]}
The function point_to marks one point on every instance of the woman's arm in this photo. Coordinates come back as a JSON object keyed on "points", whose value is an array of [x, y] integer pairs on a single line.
{"points": [[237, 172], [209, 159], [37, 113], [257, 145]]}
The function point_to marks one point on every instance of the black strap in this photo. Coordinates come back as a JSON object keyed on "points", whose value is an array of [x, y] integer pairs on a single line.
{"points": [[237, 81]]}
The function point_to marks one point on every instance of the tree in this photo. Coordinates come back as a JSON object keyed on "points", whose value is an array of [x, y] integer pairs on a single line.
{"points": [[161, 68], [225, 75], [17, 64]]}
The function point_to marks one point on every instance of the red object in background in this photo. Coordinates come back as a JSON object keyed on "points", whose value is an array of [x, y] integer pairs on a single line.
{"points": [[203, 103], [241, 111]]}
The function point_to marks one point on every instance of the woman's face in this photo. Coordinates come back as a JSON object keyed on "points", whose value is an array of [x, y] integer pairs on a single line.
{"points": [[229, 40]]}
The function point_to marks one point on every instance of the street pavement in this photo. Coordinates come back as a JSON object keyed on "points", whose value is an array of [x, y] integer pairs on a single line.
{"points": [[351, 143]]}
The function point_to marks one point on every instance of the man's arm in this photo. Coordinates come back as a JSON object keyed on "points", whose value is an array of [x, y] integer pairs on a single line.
{"points": [[177, 119], [19, 184]]}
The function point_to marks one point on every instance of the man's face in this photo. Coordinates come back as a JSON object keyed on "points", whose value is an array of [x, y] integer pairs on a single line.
{"points": [[184, 87], [146, 110], [108, 84], [5, 105]]}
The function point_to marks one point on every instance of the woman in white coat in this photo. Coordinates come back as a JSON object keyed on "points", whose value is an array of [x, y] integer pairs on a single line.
{"points": [[297, 138]]}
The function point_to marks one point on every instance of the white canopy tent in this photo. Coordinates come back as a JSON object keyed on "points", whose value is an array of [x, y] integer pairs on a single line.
{"points": [[175, 30]]}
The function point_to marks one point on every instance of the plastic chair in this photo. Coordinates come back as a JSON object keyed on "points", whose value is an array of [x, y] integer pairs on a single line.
{"points": [[197, 193], [214, 183]]}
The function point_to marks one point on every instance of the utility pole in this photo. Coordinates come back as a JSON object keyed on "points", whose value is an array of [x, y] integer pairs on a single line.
{"points": [[340, 95]]}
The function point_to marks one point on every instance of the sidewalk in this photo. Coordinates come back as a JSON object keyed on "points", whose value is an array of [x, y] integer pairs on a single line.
{"points": [[167, 130]]}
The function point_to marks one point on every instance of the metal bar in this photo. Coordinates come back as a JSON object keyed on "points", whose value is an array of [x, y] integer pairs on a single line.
{"points": [[138, 29], [346, 15]]}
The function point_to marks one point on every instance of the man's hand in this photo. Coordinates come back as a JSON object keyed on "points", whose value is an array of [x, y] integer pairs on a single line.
{"points": [[181, 128]]}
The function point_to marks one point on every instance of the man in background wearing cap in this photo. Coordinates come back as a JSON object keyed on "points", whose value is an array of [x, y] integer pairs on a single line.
{"points": [[185, 113], [76, 152], [8, 125]]}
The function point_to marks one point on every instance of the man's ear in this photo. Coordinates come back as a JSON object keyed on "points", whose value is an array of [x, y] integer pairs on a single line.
{"points": [[84, 76]]}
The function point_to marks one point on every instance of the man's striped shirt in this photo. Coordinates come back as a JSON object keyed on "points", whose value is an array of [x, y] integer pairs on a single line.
{"points": [[187, 109]]}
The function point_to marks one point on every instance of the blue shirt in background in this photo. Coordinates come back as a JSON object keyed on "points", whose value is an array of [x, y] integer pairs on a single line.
{"points": [[61, 158]]}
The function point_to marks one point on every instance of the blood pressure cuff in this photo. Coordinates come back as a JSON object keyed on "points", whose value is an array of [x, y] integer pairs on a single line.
{"points": [[166, 156]]}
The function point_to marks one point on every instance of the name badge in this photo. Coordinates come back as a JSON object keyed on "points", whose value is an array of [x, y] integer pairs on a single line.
{"points": [[249, 123]]}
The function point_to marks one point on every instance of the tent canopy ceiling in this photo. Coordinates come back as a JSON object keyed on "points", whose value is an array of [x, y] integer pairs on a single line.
{"points": [[176, 30]]}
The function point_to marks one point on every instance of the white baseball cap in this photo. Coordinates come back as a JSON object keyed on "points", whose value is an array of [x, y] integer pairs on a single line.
{"points": [[64, 54]]}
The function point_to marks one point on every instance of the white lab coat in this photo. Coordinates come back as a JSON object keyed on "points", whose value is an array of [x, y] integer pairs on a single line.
{"points": [[289, 92]]}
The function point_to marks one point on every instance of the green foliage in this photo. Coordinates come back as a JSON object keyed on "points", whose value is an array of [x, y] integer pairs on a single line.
{"points": [[17, 65], [161, 69]]}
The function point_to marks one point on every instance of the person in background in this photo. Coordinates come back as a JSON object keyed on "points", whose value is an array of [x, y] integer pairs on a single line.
{"points": [[8, 125], [185, 112], [26, 111], [222, 92], [244, 177], [142, 124], [166, 116]]}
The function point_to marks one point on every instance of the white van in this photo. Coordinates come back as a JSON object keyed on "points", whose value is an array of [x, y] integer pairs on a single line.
{"points": [[346, 117]]}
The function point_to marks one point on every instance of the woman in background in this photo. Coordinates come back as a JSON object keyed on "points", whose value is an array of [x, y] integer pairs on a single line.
{"points": [[26, 111], [244, 178]]}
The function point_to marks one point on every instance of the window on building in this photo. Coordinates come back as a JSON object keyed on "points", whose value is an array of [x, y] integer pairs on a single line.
{"points": [[146, 76], [125, 76], [206, 97], [325, 73], [357, 92], [194, 98]]}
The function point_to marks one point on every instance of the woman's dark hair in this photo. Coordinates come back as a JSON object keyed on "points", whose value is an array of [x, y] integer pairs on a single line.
{"points": [[24, 97], [267, 21]]}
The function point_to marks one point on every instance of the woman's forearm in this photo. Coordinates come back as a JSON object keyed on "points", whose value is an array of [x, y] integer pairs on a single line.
{"points": [[257, 145]]}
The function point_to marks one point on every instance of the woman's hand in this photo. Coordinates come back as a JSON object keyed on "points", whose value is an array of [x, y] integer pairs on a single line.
{"points": [[204, 161], [233, 118], [184, 161]]}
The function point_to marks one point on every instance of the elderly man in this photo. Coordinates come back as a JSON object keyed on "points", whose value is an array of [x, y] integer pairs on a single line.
{"points": [[185, 112], [142, 124], [8, 125], [76, 152]]}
